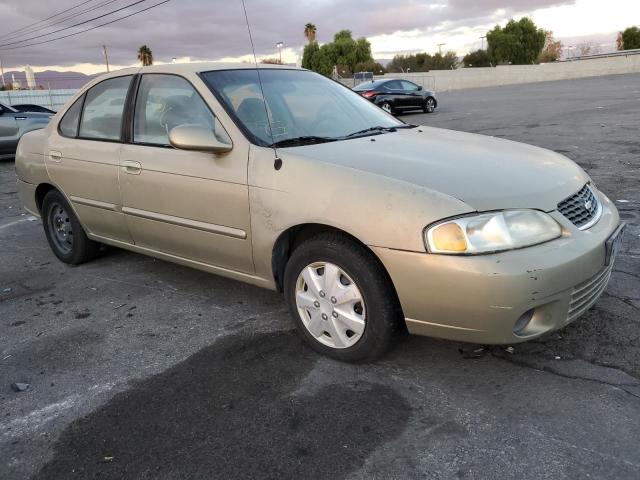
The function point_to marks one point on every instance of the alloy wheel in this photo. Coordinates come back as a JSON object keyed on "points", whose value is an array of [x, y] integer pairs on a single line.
{"points": [[330, 305], [386, 107], [430, 105]]}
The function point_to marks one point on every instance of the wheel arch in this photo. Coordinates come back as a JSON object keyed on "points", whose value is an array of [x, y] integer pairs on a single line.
{"points": [[293, 236], [41, 190]]}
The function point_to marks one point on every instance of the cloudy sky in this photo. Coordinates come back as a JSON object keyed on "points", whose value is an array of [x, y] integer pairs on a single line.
{"points": [[216, 30]]}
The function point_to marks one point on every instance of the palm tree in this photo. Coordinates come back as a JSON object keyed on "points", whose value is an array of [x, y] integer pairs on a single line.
{"points": [[145, 56], [310, 32]]}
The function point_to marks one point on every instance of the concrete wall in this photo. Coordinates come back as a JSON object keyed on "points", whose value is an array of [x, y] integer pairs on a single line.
{"points": [[443, 80]]}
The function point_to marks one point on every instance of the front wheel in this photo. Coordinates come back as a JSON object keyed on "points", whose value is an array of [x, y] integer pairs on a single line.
{"points": [[341, 299], [429, 105], [64, 233]]}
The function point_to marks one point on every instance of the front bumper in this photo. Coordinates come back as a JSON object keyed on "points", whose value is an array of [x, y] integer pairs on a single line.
{"points": [[480, 298]]}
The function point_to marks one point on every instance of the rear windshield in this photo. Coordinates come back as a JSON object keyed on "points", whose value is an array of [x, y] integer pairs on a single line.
{"points": [[369, 85]]}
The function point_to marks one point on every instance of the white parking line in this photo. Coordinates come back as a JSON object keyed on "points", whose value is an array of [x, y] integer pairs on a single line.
{"points": [[30, 218]]}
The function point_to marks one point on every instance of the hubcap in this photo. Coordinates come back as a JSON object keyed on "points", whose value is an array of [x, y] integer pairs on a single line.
{"points": [[386, 107], [330, 305], [60, 228]]}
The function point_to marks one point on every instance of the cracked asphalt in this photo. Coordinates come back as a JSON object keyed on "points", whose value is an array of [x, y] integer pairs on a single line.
{"points": [[143, 369]]}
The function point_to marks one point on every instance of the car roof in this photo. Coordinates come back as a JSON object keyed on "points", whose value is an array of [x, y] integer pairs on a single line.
{"points": [[197, 67]]}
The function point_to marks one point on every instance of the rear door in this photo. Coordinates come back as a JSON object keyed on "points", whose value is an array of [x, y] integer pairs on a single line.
{"points": [[84, 157], [190, 204], [394, 87]]}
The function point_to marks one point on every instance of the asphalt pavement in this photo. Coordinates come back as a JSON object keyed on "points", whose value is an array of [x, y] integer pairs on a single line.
{"points": [[141, 369]]}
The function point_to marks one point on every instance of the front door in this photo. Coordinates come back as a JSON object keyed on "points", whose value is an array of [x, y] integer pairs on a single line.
{"points": [[193, 205], [413, 95], [84, 156]]}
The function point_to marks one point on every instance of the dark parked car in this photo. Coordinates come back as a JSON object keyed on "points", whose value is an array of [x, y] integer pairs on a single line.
{"points": [[395, 95], [14, 124], [28, 107]]}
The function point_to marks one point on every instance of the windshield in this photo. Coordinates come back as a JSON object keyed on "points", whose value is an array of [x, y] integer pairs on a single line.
{"points": [[299, 104]]}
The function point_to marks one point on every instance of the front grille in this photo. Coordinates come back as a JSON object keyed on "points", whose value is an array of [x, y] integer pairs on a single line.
{"points": [[582, 209], [585, 294]]}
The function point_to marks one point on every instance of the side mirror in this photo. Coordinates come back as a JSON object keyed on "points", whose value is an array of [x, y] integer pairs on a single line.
{"points": [[197, 137], [419, 87]]}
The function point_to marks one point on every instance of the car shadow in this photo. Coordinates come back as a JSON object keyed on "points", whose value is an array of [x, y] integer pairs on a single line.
{"points": [[232, 411]]}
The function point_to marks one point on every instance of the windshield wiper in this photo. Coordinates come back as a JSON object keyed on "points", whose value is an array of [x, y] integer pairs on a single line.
{"points": [[304, 140], [378, 129]]}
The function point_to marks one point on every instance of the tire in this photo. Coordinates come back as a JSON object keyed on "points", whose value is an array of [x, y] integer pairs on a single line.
{"points": [[429, 105], [375, 318], [388, 107], [64, 233]]}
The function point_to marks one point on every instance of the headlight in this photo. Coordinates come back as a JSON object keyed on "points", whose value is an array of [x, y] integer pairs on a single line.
{"points": [[492, 232]]}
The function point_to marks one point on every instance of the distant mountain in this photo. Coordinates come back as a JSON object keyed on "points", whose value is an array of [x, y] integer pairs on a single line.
{"points": [[51, 79]]}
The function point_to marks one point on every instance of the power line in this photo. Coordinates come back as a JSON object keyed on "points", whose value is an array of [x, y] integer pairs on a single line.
{"points": [[73, 26], [27, 31], [48, 18], [87, 29]]}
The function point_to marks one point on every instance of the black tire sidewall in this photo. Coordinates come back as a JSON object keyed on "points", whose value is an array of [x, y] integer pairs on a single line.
{"points": [[83, 248], [365, 271]]}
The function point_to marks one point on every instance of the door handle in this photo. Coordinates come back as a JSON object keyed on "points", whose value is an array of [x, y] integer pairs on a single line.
{"points": [[55, 156], [131, 167]]}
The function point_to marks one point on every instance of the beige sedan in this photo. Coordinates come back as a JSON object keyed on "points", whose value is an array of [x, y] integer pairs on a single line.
{"points": [[287, 180]]}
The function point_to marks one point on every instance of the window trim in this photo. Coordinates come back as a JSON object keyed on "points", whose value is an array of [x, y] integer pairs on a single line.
{"points": [[130, 133], [124, 110], [80, 99]]}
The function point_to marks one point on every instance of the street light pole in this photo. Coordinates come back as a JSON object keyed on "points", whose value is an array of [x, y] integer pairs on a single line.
{"points": [[440, 47], [280, 45], [482, 39]]}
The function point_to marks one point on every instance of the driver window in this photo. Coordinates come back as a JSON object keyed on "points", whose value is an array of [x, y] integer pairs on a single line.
{"points": [[411, 87], [167, 101]]}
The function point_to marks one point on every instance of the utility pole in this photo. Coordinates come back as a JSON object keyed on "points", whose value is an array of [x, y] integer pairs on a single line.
{"points": [[106, 56], [440, 47], [2, 74], [482, 40]]}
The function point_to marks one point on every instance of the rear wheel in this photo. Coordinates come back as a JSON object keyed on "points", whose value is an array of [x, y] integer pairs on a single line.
{"points": [[341, 299], [387, 107], [64, 233], [429, 105]]}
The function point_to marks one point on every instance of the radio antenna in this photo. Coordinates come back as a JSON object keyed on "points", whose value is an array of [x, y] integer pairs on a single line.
{"points": [[278, 162]]}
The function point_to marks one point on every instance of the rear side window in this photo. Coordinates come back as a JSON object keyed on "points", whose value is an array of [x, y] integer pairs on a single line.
{"points": [[103, 107], [393, 85], [69, 123]]}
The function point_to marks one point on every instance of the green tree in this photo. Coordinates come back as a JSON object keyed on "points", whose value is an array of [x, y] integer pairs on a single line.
{"points": [[423, 62], [344, 52], [479, 58], [518, 43], [145, 56], [310, 32], [552, 49], [375, 67], [630, 38]]}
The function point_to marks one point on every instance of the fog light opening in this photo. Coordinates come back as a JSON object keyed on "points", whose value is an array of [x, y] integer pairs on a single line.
{"points": [[523, 321]]}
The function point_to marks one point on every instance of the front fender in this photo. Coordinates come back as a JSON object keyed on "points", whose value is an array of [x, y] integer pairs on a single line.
{"points": [[377, 210]]}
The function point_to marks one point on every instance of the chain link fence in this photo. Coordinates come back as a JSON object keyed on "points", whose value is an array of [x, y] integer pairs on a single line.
{"points": [[53, 99]]}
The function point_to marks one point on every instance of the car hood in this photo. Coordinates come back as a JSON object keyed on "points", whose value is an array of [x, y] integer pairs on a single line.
{"points": [[486, 173]]}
